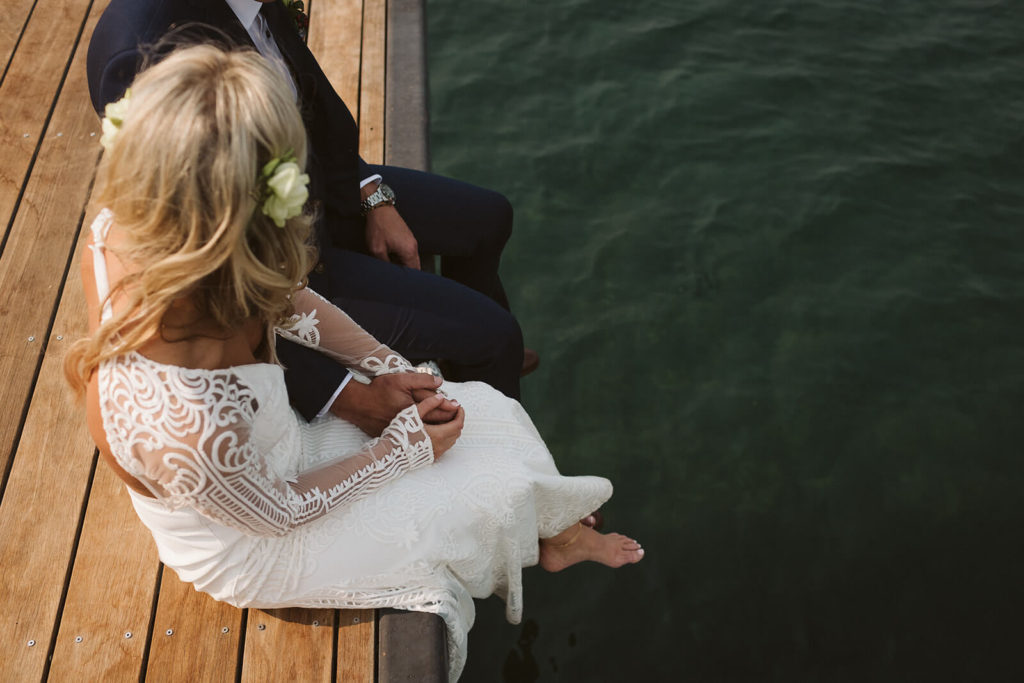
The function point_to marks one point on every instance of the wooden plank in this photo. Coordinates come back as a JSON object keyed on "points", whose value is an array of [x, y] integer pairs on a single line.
{"points": [[104, 627], [288, 645], [12, 22], [371, 82], [195, 638], [28, 90], [42, 235], [41, 508], [406, 119], [357, 633], [335, 27], [40, 511]]}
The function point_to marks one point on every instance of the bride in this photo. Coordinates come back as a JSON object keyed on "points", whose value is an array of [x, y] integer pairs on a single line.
{"points": [[192, 270]]}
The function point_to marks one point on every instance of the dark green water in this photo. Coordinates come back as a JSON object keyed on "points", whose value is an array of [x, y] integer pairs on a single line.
{"points": [[772, 254]]}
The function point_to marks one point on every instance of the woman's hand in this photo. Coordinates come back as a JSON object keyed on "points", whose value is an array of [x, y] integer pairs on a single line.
{"points": [[442, 436]]}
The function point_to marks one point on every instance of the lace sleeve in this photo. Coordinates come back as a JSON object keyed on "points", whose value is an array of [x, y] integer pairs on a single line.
{"points": [[319, 324], [188, 436]]}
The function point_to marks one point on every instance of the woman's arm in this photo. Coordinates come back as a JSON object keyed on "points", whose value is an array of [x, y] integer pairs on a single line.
{"points": [[204, 454], [319, 324]]}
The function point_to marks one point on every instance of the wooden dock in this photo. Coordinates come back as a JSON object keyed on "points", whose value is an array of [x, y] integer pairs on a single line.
{"points": [[83, 594]]}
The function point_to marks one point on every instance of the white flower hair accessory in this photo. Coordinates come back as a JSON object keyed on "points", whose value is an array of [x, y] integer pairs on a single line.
{"points": [[285, 188], [113, 117]]}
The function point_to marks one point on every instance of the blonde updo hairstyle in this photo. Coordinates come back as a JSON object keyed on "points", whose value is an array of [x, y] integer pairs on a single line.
{"points": [[182, 180]]}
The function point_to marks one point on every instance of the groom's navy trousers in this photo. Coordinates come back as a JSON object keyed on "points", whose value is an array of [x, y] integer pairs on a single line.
{"points": [[461, 318]]}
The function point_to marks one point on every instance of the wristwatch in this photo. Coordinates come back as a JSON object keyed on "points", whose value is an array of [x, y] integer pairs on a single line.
{"points": [[383, 195]]}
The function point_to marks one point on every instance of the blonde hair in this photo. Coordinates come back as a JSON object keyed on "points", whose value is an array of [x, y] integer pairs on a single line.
{"points": [[182, 180]]}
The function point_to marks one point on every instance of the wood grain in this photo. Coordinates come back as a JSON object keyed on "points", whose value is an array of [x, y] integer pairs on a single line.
{"points": [[371, 82], [40, 511], [111, 591], [12, 21], [27, 92], [335, 30], [42, 235], [357, 636], [288, 644], [41, 508], [203, 640]]}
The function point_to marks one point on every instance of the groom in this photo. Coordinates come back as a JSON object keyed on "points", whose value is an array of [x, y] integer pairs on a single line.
{"points": [[372, 220]]}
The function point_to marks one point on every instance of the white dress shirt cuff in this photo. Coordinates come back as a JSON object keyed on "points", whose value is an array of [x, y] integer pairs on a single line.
{"points": [[367, 181], [334, 396]]}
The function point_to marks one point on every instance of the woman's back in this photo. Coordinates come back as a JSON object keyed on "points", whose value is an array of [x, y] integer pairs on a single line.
{"points": [[175, 395]]}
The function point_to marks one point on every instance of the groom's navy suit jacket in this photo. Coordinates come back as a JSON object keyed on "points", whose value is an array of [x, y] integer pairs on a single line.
{"points": [[128, 28], [462, 318]]}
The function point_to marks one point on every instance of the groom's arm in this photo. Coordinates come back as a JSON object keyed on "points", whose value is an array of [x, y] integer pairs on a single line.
{"points": [[314, 380]]}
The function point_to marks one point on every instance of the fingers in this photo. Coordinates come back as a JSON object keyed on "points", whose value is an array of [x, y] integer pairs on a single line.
{"points": [[444, 412], [379, 250], [429, 404], [453, 427], [444, 436], [448, 410], [439, 416], [409, 255], [419, 383]]}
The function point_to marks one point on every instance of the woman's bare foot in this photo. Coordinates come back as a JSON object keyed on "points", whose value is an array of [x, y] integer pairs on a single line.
{"points": [[580, 543]]}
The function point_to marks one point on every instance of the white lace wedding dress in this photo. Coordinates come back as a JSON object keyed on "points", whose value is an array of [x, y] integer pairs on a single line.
{"points": [[259, 508]]}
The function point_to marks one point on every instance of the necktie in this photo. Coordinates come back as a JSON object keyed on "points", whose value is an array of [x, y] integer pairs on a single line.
{"points": [[266, 46]]}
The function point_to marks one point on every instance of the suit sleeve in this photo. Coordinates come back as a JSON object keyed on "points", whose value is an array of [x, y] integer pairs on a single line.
{"points": [[311, 377]]}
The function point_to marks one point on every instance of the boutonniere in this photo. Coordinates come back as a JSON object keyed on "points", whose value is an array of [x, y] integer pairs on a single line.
{"points": [[299, 17]]}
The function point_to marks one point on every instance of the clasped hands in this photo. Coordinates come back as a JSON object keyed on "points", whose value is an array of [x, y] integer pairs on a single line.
{"points": [[371, 407]]}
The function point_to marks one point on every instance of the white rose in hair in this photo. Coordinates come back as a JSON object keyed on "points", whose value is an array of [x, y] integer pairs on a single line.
{"points": [[287, 191], [113, 117], [110, 131]]}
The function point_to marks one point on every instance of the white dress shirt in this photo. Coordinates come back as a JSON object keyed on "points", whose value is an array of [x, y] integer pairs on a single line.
{"points": [[248, 13]]}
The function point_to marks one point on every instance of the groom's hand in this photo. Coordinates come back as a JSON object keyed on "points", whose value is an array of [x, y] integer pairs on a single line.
{"points": [[371, 407], [387, 235]]}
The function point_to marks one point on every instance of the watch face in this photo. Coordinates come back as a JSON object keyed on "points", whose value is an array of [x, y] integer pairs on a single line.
{"points": [[386, 191]]}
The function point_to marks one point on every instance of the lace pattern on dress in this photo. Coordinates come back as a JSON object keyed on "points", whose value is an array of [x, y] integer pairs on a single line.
{"points": [[190, 436], [319, 324], [187, 435]]}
